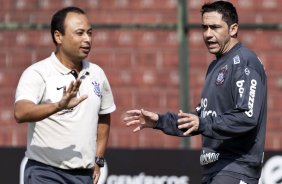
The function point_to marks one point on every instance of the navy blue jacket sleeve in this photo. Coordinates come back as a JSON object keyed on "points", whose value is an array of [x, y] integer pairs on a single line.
{"points": [[168, 124]]}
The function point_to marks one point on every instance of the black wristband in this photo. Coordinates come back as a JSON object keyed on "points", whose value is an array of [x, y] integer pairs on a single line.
{"points": [[100, 161]]}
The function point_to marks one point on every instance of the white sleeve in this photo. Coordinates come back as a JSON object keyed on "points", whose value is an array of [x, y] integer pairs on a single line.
{"points": [[107, 103], [31, 86]]}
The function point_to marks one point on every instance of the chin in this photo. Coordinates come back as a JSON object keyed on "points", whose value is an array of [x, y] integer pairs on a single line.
{"points": [[213, 51], [83, 56]]}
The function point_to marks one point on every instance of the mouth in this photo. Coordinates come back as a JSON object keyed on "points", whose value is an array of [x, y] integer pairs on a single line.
{"points": [[85, 49], [211, 45]]}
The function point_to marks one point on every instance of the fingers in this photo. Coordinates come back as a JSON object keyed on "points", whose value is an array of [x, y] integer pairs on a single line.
{"points": [[191, 129], [129, 121], [132, 122], [134, 112], [137, 129], [96, 177], [129, 118], [71, 97], [146, 113], [151, 116], [74, 86], [182, 114], [188, 121], [133, 117], [183, 120], [73, 90]]}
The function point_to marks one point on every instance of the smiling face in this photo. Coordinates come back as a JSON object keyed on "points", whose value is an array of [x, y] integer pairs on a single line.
{"points": [[75, 44], [218, 37]]}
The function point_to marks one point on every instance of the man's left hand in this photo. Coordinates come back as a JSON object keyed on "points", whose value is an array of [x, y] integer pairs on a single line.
{"points": [[188, 121]]}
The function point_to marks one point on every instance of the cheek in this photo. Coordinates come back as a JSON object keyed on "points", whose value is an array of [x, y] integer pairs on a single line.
{"points": [[222, 37], [73, 42]]}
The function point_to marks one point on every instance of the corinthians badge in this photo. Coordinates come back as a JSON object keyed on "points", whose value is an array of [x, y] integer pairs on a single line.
{"points": [[97, 89], [221, 75]]}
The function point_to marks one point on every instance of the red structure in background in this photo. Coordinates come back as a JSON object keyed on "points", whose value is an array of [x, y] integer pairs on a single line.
{"points": [[142, 64]]}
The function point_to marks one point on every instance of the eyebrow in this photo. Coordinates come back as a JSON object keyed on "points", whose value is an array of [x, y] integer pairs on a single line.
{"points": [[211, 25], [81, 29]]}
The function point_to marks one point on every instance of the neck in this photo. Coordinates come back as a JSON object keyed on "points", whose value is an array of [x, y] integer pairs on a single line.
{"points": [[228, 48], [69, 62]]}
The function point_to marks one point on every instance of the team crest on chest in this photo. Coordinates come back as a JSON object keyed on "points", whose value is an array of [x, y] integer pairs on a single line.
{"points": [[236, 60], [221, 75], [97, 89]]}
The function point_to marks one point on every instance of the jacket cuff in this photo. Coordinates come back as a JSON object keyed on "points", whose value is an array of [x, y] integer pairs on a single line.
{"points": [[159, 125], [202, 125]]}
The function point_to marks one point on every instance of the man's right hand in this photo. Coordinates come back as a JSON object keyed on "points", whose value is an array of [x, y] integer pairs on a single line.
{"points": [[141, 118], [70, 98], [28, 111]]}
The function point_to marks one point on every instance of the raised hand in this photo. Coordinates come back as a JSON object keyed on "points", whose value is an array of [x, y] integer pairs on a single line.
{"points": [[141, 118], [70, 98]]}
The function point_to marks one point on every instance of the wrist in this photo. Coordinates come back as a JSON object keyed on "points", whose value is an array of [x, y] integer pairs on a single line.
{"points": [[100, 161], [156, 119], [58, 107]]}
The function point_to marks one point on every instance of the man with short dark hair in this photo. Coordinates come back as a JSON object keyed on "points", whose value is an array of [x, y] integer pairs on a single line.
{"points": [[66, 102], [231, 117]]}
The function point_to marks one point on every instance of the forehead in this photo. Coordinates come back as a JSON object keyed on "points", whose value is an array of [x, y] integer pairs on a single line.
{"points": [[212, 18], [76, 21]]}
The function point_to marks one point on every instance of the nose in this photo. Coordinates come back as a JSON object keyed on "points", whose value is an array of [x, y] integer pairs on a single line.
{"points": [[87, 37], [208, 33]]}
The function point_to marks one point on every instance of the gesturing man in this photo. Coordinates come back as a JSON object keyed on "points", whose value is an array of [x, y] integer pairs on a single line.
{"points": [[66, 102], [231, 117]]}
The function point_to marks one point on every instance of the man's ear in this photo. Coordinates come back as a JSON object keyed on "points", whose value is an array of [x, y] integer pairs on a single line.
{"points": [[233, 30], [58, 37]]}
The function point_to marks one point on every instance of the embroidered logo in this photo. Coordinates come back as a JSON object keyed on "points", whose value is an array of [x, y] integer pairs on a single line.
{"points": [[97, 89], [252, 97], [247, 71], [59, 88], [207, 158], [221, 75], [236, 60]]}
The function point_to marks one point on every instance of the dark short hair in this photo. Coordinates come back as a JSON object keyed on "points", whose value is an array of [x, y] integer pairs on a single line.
{"points": [[58, 20], [225, 8]]}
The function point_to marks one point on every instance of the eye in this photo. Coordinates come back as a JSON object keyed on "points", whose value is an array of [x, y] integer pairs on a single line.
{"points": [[89, 33], [204, 27], [214, 27], [79, 33]]}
